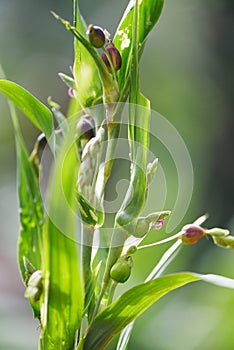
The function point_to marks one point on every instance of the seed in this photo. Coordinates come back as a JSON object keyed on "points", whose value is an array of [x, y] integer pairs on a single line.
{"points": [[96, 36], [114, 56], [121, 271], [191, 234]]}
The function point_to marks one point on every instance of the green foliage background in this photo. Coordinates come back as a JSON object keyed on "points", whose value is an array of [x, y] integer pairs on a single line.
{"points": [[187, 72]]}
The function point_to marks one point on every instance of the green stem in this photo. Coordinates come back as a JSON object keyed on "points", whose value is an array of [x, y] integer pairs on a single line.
{"points": [[113, 129], [95, 176], [176, 236], [86, 252], [75, 6], [112, 292], [119, 236]]}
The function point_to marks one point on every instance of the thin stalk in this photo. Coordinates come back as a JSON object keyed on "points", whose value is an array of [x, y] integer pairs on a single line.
{"points": [[111, 292], [134, 86], [75, 6], [95, 176], [118, 238], [177, 235], [113, 129], [98, 303], [86, 252]]}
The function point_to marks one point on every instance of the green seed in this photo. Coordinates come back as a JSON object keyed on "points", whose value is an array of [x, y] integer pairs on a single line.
{"points": [[121, 271]]}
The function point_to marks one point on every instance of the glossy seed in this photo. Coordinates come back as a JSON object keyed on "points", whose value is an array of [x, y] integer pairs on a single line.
{"points": [[114, 56], [191, 234], [96, 36]]}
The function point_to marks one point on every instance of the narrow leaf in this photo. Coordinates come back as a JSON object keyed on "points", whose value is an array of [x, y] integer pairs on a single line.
{"points": [[135, 196], [86, 75], [130, 305], [149, 12], [217, 280], [38, 113], [62, 302], [31, 210], [135, 301]]}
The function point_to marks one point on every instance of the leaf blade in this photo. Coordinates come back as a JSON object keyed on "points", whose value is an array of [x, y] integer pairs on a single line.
{"points": [[149, 13], [31, 209], [86, 75], [62, 301], [130, 305], [135, 301], [37, 113]]}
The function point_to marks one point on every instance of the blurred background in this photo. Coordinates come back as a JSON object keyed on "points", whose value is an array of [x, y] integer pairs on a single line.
{"points": [[187, 71]]}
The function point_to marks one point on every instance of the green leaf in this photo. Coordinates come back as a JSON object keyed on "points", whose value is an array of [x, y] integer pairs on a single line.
{"points": [[139, 117], [31, 210], [134, 80], [86, 75], [38, 113], [135, 301], [62, 301], [130, 305], [135, 196], [149, 12], [89, 214]]}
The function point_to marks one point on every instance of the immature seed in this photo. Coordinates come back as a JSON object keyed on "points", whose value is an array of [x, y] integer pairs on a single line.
{"points": [[121, 270]]}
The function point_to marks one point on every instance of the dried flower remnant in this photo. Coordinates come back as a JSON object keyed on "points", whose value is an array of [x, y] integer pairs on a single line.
{"points": [[158, 224], [85, 128]]}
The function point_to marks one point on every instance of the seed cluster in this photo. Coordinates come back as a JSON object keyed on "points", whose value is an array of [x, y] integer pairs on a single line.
{"points": [[111, 56]]}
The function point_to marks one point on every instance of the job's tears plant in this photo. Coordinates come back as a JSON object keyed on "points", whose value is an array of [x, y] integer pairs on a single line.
{"points": [[71, 286]]}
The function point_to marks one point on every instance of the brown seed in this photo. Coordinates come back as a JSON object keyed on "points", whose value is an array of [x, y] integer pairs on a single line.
{"points": [[96, 36], [191, 234], [114, 56]]}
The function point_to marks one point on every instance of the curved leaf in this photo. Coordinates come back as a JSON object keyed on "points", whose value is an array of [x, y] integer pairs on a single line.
{"points": [[130, 305], [38, 113], [149, 12], [135, 301]]}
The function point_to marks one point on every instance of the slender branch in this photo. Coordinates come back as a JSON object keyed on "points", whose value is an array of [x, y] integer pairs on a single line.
{"points": [[166, 240], [86, 249]]}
